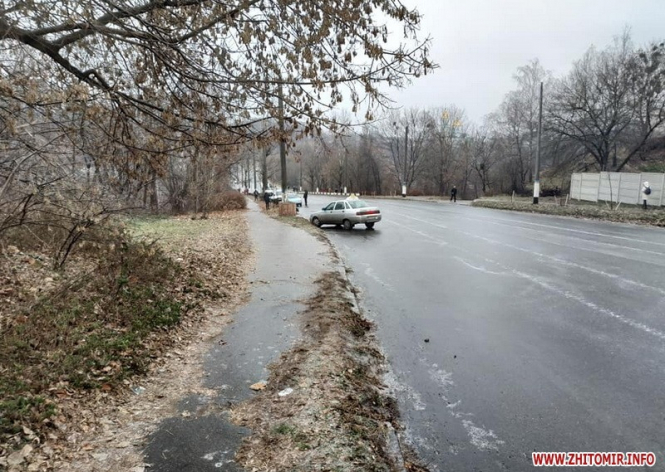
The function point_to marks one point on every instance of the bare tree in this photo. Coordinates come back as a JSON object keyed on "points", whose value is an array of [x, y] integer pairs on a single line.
{"points": [[107, 94], [647, 72], [404, 136], [612, 102], [448, 125], [485, 151], [517, 121]]}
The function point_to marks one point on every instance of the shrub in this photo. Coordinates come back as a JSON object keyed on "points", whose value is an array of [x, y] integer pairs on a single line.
{"points": [[229, 200], [92, 333]]}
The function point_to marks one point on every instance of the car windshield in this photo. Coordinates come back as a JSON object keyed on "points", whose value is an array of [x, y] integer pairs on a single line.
{"points": [[357, 203]]}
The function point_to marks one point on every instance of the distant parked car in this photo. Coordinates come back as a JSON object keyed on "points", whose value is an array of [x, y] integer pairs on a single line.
{"points": [[347, 213], [276, 196], [294, 198]]}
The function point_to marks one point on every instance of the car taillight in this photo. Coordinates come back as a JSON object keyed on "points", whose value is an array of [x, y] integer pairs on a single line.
{"points": [[367, 212]]}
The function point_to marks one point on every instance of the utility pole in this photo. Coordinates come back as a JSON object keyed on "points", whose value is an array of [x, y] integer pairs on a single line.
{"points": [[254, 166], [282, 146], [536, 180], [406, 159]]}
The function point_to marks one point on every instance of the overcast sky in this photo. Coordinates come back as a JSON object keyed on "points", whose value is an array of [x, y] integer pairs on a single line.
{"points": [[479, 44]]}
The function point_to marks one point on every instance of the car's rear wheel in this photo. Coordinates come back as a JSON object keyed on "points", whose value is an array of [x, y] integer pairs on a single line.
{"points": [[369, 225], [347, 224], [316, 222]]}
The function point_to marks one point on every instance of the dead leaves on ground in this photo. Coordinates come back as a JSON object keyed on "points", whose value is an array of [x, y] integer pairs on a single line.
{"points": [[92, 430]]}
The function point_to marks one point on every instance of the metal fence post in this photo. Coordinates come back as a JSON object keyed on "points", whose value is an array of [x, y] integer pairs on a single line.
{"points": [[662, 190]]}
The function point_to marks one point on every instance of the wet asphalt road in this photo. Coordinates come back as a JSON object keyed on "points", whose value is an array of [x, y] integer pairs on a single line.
{"points": [[545, 334]]}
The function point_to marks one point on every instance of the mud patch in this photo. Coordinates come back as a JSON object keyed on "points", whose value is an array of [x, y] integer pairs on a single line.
{"points": [[325, 407]]}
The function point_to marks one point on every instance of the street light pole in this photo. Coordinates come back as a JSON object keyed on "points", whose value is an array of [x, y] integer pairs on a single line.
{"points": [[406, 159], [536, 180]]}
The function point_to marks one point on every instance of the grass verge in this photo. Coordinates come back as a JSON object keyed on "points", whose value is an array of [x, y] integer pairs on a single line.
{"points": [[87, 333], [339, 416], [627, 214]]}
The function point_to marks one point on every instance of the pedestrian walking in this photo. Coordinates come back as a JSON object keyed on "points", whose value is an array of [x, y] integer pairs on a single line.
{"points": [[646, 191], [266, 198], [304, 197], [256, 195], [453, 194]]}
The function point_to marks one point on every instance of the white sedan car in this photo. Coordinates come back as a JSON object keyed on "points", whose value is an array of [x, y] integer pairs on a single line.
{"points": [[347, 213]]}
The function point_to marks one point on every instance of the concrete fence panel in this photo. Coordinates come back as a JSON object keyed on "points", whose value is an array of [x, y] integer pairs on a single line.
{"points": [[576, 186], [617, 187], [630, 188], [609, 186], [589, 187]]}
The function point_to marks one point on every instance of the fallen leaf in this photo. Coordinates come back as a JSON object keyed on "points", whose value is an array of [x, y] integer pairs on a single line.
{"points": [[15, 459], [259, 386]]}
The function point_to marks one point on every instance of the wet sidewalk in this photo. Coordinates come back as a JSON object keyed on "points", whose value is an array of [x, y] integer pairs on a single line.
{"points": [[288, 261]]}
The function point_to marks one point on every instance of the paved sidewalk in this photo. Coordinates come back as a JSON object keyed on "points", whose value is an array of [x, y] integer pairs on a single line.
{"points": [[288, 261]]}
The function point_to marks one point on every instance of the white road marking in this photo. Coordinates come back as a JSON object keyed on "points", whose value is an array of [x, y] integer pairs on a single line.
{"points": [[504, 221], [571, 296], [593, 306], [512, 223], [419, 233], [570, 264], [420, 220], [601, 243], [479, 268], [369, 272]]}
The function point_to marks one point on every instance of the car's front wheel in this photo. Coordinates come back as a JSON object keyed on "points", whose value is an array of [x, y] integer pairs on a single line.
{"points": [[347, 224], [316, 222], [369, 225]]}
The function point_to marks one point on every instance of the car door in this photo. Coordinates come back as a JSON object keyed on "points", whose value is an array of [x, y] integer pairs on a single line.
{"points": [[338, 213], [325, 216]]}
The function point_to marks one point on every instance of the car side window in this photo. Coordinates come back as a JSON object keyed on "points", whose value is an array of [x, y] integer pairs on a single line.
{"points": [[339, 206], [348, 206]]}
